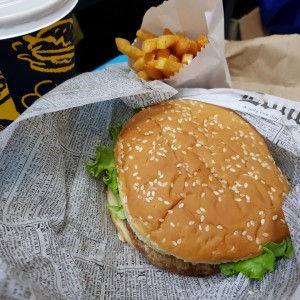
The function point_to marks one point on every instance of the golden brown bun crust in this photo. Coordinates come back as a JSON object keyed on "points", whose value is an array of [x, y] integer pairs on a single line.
{"points": [[198, 182], [163, 261]]}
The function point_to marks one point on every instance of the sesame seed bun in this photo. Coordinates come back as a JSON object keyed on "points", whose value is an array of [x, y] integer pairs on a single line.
{"points": [[198, 183]]}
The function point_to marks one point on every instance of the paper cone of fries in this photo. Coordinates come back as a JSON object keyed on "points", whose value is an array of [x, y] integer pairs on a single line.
{"points": [[169, 53]]}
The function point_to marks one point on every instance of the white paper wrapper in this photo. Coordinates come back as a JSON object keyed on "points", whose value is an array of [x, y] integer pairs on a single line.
{"points": [[194, 18], [57, 240]]}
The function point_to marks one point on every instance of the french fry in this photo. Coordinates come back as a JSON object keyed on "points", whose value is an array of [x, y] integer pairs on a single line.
{"points": [[187, 58], [150, 56], [166, 41], [167, 73], [145, 35], [166, 64], [201, 41], [163, 53], [139, 63], [167, 31], [153, 72], [193, 48], [181, 47], [149, 45], [143, 75], [161, 56], [174, 58], [126, 48]]}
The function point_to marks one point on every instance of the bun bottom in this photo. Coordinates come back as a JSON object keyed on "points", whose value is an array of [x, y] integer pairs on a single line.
{"points": [[162, 261]]}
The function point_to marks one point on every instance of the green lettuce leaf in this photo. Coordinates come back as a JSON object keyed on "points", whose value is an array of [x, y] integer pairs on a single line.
{"points": [[105, 164], [256, 267]]}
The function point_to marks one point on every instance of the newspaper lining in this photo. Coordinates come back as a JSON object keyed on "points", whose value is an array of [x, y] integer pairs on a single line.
{"points": [[56, 238]]}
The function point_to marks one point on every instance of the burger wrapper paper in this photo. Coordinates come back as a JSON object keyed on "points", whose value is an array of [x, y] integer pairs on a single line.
{"points": [[194, 18], [57, 240]]}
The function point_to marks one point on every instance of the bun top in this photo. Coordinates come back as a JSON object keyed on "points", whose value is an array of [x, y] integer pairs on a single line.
{"points": [[198, 182]]}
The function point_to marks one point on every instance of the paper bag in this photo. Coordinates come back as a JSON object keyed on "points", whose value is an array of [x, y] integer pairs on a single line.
{"points": [[267, 64]]}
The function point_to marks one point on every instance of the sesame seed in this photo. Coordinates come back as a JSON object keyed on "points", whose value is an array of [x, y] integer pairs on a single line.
{"points": [[244, 232], [179, 241], [166, 202], [181, 205], [207, 228], [249, 237], [265, 235], [262, 221], [275, 217], [257, 241], [160, 220], [202, 218], [170, 211], [174, 243], [150, 217], [191, 223], [172, 224], [220, 227]]}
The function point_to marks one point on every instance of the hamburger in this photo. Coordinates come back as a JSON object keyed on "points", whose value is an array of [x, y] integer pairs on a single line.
{"points": [[195, 189]]}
